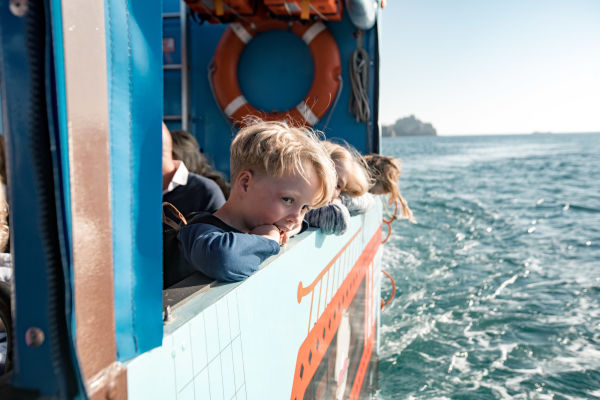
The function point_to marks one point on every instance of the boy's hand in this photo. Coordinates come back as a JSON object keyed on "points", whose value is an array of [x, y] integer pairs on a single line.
{"points": [[268, 231], [283, 237], [294, 231]]}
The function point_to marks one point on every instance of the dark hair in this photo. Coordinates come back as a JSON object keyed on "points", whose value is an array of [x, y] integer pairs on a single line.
{"points": [[186, 149]]}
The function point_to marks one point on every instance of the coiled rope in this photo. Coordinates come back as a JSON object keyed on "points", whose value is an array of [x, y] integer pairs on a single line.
{"points": [[359, 77]]}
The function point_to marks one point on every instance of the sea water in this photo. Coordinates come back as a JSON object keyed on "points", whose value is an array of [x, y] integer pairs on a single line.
{"points": [[498, 284]]}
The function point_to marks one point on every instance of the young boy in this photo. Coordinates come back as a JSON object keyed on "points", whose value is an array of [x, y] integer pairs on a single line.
{"points": [[277, 174]]}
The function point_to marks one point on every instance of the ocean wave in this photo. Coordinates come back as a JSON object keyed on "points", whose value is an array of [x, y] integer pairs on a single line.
{"points": [[497, 285], [575, 207]]}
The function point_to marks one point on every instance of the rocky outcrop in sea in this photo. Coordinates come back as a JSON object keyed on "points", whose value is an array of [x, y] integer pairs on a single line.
{"points": [[409, 126]]}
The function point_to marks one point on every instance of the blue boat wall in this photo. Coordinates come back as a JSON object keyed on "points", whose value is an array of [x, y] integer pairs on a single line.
{"points": [[84, 87]]}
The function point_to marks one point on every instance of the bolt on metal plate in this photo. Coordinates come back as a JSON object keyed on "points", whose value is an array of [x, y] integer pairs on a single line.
{"points": [[19, 7], [34, 337]]}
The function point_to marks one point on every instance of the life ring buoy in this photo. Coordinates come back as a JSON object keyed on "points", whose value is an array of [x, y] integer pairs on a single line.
{"points": [[322, 93]]}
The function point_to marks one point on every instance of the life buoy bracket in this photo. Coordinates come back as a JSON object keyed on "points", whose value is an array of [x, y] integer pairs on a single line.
{"points": [[323, 90]]}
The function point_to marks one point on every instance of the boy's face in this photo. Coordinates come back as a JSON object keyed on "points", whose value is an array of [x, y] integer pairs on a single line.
{"points": [[280, 201]]}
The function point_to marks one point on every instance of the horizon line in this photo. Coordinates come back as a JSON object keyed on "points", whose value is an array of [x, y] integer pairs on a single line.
{"points": [[518, 133]]}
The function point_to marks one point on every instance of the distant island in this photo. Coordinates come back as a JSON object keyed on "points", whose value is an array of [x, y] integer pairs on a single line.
{"points": [[409, 126]]}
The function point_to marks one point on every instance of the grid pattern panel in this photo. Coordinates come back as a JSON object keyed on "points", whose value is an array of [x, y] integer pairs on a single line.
{"points": [[207, 354]]}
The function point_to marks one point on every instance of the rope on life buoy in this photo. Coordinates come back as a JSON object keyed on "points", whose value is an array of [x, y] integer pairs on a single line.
{"points": [[385, 303]]}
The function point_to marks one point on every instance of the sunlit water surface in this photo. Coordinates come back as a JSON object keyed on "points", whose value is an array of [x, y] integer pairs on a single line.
{"points": [[498, 284]]}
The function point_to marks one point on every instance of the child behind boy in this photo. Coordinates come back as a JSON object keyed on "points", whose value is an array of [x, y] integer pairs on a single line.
{"points": [[386, 172], [278, 173], [353, 182], [186, 149]]}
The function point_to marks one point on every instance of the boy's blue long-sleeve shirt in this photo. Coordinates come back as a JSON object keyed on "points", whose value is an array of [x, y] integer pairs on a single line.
{"points": [[222, 252]]}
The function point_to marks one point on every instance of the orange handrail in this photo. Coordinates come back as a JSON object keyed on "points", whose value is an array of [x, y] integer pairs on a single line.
{"points": [[389, 233], [385, 303], [388, 222], [393, 217]]}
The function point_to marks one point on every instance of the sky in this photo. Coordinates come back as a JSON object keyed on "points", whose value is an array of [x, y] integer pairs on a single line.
{"points": [[492, 66]]}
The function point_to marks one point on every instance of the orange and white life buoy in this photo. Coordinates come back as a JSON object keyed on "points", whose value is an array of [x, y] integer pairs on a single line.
{"points": [[322, 93]]}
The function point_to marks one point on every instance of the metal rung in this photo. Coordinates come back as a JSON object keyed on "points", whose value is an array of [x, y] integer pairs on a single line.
{"points": [[182, 67], [172, 66]]}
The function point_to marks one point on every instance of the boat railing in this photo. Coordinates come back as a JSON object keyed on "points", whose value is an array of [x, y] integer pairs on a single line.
{"points": [[196, 293]]}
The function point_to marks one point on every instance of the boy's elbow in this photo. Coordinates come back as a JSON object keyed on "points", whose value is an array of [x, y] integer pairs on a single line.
{"points": [[226, 268], [227, 262], [225, 275], [231, 271]]}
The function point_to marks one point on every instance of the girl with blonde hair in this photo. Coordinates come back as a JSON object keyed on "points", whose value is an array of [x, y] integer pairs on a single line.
{"points": [[386, 173], [351, 195]]}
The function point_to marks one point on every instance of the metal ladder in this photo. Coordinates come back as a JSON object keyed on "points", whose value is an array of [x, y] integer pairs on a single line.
{"points": [[182, 67]]}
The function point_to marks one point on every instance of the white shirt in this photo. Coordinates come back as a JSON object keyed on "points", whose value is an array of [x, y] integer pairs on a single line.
{"points": [[5, 267], [179, 179]]}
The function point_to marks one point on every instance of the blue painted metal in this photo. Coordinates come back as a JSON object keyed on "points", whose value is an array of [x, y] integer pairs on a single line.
{"points": [[213, 131], [275, 71], [170, 6], [172, 94], [26, 235], [342, 124], [57, 112], [256, 71], [41, 294], [134, 67], [60, 111]]}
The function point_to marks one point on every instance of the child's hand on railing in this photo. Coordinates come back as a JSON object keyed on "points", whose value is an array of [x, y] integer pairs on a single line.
{"points": [[268, 231], [283, 237]]}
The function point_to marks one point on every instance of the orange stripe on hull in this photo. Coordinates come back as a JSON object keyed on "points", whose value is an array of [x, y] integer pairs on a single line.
{"points": [[319, 338], [364, 365]]}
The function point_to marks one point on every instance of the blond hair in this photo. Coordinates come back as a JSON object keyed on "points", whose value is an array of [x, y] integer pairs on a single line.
{"points": [[359, 179], [278, 149], [386, 172]]}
